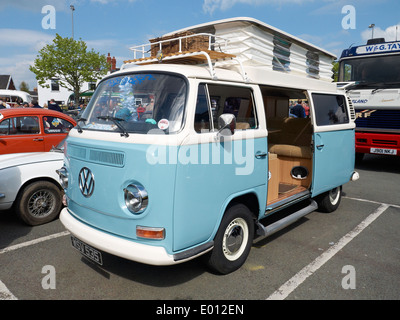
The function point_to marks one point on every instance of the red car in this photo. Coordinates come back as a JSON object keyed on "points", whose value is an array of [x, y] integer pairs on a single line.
{"points": [[32, 129]]}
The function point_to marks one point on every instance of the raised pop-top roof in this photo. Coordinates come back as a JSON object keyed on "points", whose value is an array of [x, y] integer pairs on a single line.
{"points": [[243, 40]]}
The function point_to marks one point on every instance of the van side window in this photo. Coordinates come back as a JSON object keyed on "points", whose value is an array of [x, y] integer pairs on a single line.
{"points": [[214, 100], [202, 115], [330, 109]]}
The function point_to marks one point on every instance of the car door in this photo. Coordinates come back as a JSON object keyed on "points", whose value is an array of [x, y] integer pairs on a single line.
{"points": [[333, 141], [21, 134]]}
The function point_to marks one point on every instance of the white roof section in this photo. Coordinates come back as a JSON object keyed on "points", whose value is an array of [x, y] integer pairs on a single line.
{"points": [[239, 43], [242, 21]]}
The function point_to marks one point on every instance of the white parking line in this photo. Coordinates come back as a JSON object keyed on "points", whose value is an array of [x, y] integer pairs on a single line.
{"points": [[307, 271], [32, 242], [5, 294]]}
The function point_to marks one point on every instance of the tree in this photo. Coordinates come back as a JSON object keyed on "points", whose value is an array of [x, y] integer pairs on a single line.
{"points": [[335, 70], [24, 86], [69, 61]]}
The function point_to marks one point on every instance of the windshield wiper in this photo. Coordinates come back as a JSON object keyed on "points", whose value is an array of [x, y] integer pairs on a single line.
{"points": [[116, 121], [77, 124]]}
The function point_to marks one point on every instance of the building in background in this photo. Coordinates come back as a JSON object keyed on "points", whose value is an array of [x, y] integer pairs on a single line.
{"points": [[6, 82]]}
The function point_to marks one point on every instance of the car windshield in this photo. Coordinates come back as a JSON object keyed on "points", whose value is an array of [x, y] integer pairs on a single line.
{"points": [[384, 70], [137, 103]]}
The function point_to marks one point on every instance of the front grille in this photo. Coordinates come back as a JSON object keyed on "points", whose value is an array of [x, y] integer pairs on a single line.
{"points": [[384, 142], [378, 119], [105, 157]]}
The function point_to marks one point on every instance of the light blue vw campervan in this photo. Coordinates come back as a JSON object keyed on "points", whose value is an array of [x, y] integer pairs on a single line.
{"points": [[193, 150]]}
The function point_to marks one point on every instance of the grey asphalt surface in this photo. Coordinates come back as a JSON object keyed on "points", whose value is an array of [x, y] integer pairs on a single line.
{"points": [[374, 254]]}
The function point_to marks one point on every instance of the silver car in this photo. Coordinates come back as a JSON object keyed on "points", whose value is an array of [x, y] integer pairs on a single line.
{"points": [[29, 185]]}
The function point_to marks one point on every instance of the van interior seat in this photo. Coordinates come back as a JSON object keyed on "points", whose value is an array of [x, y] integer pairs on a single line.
{"points": [[242, 125], [292, 151], [290, 137]]}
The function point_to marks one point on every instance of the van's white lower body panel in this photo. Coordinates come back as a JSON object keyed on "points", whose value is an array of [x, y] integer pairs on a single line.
{"points": [[114, 245]]}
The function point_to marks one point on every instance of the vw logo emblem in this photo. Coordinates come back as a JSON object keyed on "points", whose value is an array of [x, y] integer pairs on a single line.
{"points": [[86, 182]]}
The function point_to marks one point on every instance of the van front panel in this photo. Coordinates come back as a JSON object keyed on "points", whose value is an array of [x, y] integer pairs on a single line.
{"points": [[113, 167]]}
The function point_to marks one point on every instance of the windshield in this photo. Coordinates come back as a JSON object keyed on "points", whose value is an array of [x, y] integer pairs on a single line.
{"points": [[381, 70], [137, 103]]}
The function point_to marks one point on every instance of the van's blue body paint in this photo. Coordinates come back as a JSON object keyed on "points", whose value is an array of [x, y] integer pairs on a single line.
{"points": [[187, 197], [334, 158]]}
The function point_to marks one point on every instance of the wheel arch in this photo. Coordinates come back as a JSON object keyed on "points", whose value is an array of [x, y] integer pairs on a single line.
{"points": [[32, 180], [249, 198]]}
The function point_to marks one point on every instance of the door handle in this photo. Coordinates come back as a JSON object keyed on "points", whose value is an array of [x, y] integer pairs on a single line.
{"points": [[260, 155], [38, 139], [320, 146]]}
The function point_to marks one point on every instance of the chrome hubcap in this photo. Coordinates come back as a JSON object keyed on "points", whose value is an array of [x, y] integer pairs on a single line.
{"points": [[235, 239]]}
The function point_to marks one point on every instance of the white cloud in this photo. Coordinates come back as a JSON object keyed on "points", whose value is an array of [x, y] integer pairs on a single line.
{"points": [[390, 34], [31, 40], [30, 5], [209, 6], [102, 44], [18, 67]]}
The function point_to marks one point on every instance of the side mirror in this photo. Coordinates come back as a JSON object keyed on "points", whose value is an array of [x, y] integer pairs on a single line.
{"points": [[226, 124]]}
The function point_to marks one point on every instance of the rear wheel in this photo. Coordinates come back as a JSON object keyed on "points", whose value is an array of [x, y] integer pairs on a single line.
{"points": [[233, 241], [39, 202], [329, 201]]}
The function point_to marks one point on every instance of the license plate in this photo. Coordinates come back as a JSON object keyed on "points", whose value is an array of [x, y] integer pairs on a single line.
{"points": [[391, 152], [87, 251]]}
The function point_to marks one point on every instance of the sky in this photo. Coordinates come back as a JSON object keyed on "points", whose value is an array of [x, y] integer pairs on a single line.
{"points": [[113, 26]]}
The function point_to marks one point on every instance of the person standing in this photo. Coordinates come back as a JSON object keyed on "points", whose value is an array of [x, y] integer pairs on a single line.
{"points": [[34, 104], [54, 106], [4, 104], [298, 110], [306, 109]]}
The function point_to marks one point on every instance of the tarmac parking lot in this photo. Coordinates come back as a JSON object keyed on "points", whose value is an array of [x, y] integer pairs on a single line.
{"points": [[351, 254]]}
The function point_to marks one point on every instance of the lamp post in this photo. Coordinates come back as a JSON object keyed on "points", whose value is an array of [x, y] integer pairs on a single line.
{"points": [[72, 11], [372, 26]]}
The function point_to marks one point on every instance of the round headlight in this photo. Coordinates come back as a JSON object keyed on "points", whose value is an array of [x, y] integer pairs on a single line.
{"points": [[63, 175], [136, 198]]}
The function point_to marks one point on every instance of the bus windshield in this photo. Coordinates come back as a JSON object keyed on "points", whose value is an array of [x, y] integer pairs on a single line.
{"points": [[137, 103], [378, 70]]}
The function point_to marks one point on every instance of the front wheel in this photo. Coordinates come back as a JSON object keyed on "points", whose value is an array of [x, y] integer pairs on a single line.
{"points": [[39, 202], [233, 240], [329, 201]]}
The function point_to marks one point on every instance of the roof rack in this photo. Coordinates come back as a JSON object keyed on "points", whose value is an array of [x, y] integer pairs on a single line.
{"points": [[177, 49], [186, 41]]}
